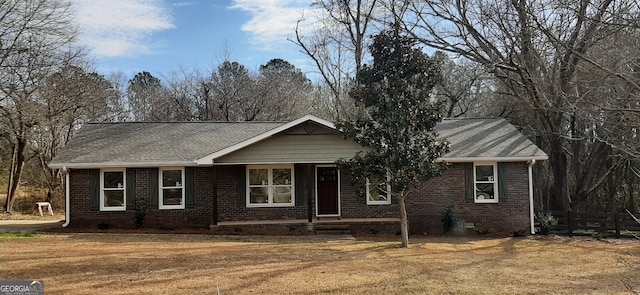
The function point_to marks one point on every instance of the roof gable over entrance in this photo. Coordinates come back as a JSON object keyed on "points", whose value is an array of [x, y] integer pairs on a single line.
{"points": [[308, 142], [245, 143]]}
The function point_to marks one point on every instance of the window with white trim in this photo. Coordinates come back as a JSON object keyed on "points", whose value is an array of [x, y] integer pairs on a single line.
{"points": [[270, 186], [378, 192], [486, 182], [171, 188], [112, 190]]}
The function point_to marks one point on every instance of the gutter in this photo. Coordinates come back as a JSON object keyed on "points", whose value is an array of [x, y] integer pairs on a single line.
{"points": [[531, 213], [490, 159], [122, 164], [67, 210]]}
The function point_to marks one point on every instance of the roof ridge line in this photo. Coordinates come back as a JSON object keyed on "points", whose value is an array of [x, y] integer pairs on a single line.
{"points": [[465, 118], [183, 122]]}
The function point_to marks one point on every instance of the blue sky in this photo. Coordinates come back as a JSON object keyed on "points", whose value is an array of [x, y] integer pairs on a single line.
{"points": [[161, 36]]}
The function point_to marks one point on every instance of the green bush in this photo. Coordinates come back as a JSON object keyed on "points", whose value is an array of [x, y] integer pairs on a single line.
{"points": [[449, 219], [547, 222], [140, 212]]}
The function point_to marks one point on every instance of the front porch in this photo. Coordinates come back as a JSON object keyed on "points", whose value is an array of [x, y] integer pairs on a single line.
{"points": [[363, 226]]}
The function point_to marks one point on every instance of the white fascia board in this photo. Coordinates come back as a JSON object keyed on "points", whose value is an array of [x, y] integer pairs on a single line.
{"points": [[123, 165], [490, 159], [277, 163], [208, 160]]}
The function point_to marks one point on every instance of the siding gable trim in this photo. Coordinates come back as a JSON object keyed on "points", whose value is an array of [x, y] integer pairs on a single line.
{"points": [[209, 159]]}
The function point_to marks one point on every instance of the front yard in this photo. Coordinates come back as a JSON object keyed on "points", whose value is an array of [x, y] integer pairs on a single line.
{"points": [[194, 264]]}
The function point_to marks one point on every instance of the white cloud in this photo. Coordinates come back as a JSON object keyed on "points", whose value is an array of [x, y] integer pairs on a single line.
{"points": [[121, 27], [183, 4], [273, 21]]}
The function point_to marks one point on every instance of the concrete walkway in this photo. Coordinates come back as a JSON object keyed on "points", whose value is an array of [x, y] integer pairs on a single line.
{"points": [[28, 226]]}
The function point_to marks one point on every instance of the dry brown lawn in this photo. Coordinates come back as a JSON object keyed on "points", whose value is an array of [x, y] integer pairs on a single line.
{"points": [[194, 264]]}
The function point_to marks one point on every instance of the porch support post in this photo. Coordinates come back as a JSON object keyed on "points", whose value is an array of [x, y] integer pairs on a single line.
{"points": [[215, 196], [311, 180]]}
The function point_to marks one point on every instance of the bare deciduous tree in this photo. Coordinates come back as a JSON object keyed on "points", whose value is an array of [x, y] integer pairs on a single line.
{"points": [[36, 38], [144, 95], [231, 86], [337, 45], [465, 88], [286, 89], [537, 50], [68, 98]]}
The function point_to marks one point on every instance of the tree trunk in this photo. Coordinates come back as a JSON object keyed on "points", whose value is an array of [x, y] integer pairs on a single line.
{"points": [[632, 180], [17, 163], [612, 191], [404, 222], [558, 163]]}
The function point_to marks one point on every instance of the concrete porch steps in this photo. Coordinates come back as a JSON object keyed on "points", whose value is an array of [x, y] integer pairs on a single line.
{"points": [[333, 229]]}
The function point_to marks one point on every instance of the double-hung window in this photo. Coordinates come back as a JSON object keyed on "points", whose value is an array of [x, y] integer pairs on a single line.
{"points": [[378, 192], [171, 188], [486, 182], [270, 186], [112, 190]]}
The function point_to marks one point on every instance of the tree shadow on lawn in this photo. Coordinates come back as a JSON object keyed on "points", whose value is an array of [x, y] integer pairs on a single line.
{"points": [[236, 268], [197, 263]]}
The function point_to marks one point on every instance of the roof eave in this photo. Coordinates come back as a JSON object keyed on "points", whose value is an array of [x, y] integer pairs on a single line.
{"points": [[492, 159], [324, 162], [123, 164], [194, 163]]}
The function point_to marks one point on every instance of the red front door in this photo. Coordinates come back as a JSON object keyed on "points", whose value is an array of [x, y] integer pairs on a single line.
{"points": [[327, 198]]}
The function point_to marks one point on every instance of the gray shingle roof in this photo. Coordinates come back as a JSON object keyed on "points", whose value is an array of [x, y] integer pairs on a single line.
{"points": [[182, 143], [103, 143], [488, 138]]}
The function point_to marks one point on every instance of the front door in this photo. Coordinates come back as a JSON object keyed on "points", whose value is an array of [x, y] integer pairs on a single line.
{"points": [[328, 198]]}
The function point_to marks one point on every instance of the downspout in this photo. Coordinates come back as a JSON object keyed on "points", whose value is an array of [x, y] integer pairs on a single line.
{"points": [[531, 213], [67, 207]]}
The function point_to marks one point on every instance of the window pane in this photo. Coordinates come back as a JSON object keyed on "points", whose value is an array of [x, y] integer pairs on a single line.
{"points": [[172, 196], [484, 191], [258, 176], [114, 179], [328, 175], [114, 198], [377, 192], [282, 194], [171, 178], [281, 176], [484, 173], [258, 195]]}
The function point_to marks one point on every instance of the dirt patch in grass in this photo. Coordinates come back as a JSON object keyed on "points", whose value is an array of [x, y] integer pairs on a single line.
{"points": [[33, 216], [187, 264]]}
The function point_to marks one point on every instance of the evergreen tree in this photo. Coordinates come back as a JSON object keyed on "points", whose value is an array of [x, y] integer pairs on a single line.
{"points": [[397, 121]]}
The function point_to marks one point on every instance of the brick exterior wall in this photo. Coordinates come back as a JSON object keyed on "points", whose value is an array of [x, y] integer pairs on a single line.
{"points": [[82, 215], [425, 207], [199, 216], [230, 210]]}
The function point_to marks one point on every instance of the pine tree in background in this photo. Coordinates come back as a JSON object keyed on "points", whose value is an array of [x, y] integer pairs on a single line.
{"points": [[397, 120]]}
